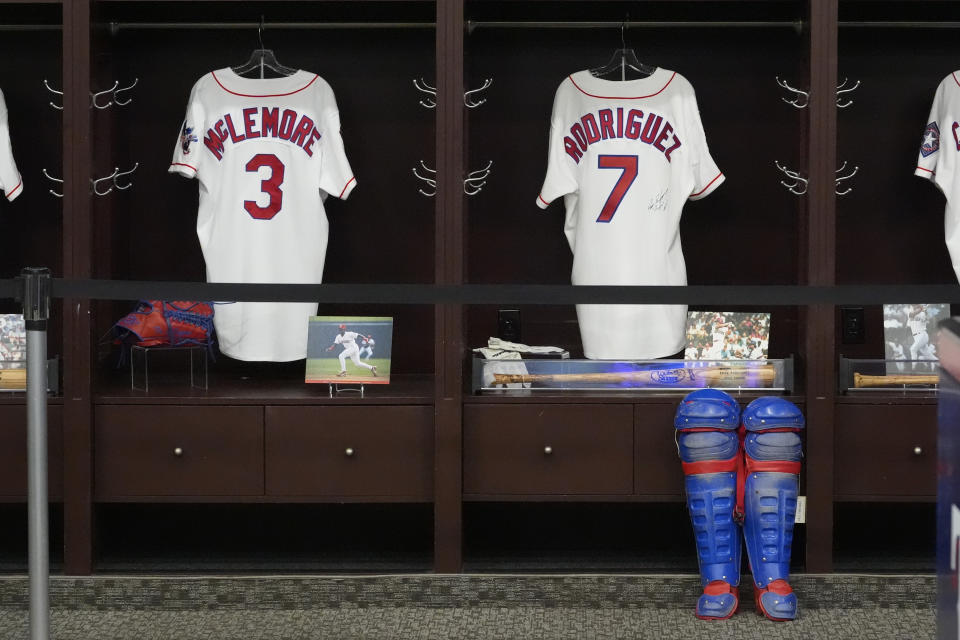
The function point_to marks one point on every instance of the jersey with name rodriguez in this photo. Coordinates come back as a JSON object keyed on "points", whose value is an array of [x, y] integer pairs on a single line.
{"points": [[263, 150], [626, 156]]}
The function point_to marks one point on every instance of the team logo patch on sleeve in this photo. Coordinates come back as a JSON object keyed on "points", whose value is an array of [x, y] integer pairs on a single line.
{"points": [[186, 137], [931, 140]]}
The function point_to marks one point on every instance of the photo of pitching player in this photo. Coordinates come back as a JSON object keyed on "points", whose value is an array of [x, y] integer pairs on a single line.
{"points": [[340, 349], [366, 347]]}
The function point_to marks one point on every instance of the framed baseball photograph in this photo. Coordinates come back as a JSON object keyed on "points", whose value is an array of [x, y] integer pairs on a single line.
{"points": [[349, 349], [727, 335], [909, 336]]}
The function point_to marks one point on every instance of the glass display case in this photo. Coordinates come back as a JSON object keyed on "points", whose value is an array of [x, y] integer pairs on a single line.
{"points": [[861, 375], [637, 376]]}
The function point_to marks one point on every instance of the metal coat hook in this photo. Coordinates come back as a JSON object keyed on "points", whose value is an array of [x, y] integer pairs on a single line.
{"points": [[430, 181], [94, 96], [94, 183], [846, 177], [430, 101], [804, 95], [118, 174], [117, 92], [51, 178], [471, 104], [52, 104], [475, 180], [841, 90], [798, 185]]}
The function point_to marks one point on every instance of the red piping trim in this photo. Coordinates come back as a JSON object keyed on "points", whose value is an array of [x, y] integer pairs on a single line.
{"points": [[180, 164], [707, 187], [14, 190], [345, 186], [543, 201], [624, 97], [927, 170], [954, 74], [268, 95]]}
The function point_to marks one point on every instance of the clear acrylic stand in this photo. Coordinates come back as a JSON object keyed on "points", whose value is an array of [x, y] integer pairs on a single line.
{"points": [[194, 357], [337, 389]]}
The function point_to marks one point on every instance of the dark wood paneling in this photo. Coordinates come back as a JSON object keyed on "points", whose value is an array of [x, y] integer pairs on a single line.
{"points": [[657, 465], [875, 451], [504, 449], [391, 451], [222, 451], [13, 452]]}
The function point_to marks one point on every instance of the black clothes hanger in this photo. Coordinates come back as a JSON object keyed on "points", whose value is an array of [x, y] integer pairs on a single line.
{"points": [[263, 59], [625, 61]]}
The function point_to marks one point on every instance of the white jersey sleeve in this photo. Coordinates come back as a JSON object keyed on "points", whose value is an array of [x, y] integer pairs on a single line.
{"points": [[10, 180], [938, 158], [186, 156], [336, 177], [706, 174]]}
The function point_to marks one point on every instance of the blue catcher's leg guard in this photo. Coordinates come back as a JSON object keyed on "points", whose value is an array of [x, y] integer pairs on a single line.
{"points": [[706, 423], [773, 451]]}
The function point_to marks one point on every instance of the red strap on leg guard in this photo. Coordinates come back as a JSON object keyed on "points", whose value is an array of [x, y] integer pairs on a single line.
{"points": [[775, 466]]}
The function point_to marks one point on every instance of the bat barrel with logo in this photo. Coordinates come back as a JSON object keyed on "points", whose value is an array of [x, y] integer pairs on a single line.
{"points": [[761, 376]]}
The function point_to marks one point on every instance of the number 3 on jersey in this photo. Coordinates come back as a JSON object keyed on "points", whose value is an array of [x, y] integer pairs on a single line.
{"points": [[270, 186], [628, 165]]}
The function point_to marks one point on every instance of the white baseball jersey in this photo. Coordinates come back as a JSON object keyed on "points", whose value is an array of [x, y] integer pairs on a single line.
{"points": [[918, 324], [938, 159], [263, 151], [10, 181], [348, 339], [626, 156]]}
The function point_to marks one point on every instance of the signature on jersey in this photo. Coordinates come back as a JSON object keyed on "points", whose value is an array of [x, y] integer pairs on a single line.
{"points": [[659, 201]]}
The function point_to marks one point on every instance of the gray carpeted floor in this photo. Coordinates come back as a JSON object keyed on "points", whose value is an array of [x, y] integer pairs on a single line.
{"points": [[442, 607]]}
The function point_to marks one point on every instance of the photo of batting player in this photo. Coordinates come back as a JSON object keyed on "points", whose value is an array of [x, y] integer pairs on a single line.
{"points": [[714, 335], [366, 347], [348, 340], [907, 330], [340, 349]]}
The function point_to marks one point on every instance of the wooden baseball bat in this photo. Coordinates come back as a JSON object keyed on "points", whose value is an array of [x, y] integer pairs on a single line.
{"points": [[13, 378], [758, 376], [860, 381]]}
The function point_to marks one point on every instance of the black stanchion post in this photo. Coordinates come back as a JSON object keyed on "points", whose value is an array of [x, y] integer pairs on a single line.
{"points": [[36, 312]]}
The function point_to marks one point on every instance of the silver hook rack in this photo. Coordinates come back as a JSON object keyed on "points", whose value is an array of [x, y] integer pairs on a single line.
{"points": [[50, 177], [94, 183], [430, 101], [846, 177], [471, 104], [93, 97], [432, 182], [805, 95], [120, 174], [798, 186], [117, 92], [475, 180], [52, 104], [841, 90]]}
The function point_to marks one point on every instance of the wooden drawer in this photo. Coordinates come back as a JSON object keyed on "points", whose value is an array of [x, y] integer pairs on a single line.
{"points": [[548, 449], [350, 451], [658, 469], [178, 451], [875, 451], [13, 452]]}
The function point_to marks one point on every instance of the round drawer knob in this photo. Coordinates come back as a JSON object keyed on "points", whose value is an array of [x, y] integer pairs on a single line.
{"points": [[349, 452], [917, 451], [178, 452], [547, 450]]}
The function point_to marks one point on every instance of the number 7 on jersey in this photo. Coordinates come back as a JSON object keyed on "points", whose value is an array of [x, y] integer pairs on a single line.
{"points": [[628, 165]]}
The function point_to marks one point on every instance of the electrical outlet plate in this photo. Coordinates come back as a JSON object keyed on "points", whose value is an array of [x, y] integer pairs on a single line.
{"points": [[508, 325], [801, 517], [852, 325]]}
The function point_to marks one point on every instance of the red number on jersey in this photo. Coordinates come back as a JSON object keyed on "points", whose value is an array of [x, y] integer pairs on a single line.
{"points": [[270, 186], [627, 164]]}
